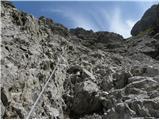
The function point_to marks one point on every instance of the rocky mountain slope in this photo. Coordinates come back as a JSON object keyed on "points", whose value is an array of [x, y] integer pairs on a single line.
{"points": [[149, 22], [97, 74]]}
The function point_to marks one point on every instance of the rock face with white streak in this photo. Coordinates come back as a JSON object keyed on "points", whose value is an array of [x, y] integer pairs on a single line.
{"points": [[98, 74]]}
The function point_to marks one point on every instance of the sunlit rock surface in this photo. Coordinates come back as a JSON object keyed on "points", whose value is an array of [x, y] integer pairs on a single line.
{"points": [[98, 74]]}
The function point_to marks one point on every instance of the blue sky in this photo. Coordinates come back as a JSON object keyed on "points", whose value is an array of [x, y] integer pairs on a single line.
{"points": [[113, 16]]}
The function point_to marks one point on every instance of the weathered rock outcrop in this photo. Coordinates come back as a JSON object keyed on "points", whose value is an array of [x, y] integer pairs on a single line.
{"points": [[98, 40], [97, 75], [146, 45], [149, 23]]}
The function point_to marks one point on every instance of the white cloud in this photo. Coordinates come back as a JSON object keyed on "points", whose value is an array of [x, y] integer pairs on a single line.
{"points": [[78, 19], [130, 23], [146, 5], [117, 24], [113, 19]]}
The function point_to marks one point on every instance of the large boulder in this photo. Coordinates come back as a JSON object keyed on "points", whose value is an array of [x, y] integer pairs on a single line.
{"points": [[148, 23], [121, 79], [5, 97], [85, 99]]}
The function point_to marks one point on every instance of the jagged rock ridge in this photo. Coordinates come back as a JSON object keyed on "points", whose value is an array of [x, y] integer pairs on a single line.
{"points": [[99, 75]]}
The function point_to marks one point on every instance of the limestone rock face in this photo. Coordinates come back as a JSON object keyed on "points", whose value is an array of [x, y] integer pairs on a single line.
{"points": [[146, 45], [98, 39], [85, 100], [149, 23], [97, 75]]}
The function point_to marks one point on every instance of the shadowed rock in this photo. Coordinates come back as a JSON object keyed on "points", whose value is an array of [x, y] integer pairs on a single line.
{"points": [[149, 23]]}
